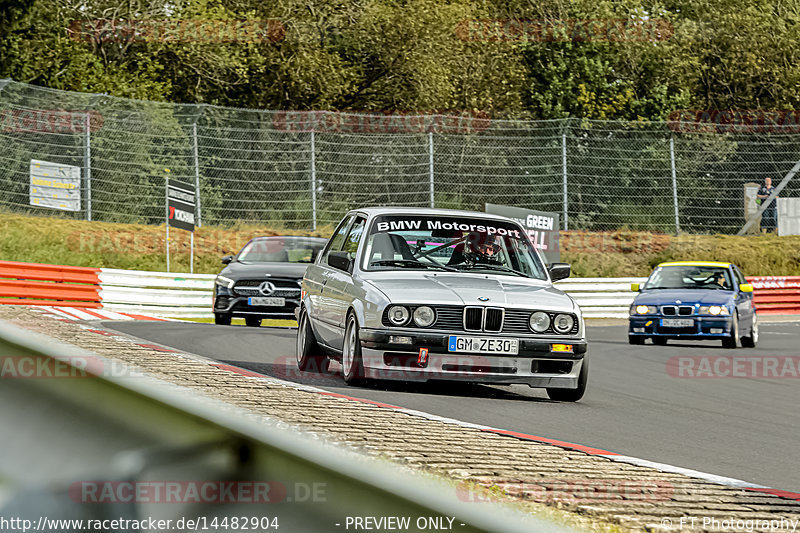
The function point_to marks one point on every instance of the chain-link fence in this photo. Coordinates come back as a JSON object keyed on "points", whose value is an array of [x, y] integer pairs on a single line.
{"points": [[305, 169]]}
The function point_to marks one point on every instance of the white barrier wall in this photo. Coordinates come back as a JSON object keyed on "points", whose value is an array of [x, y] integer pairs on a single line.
{"points": [[190, 295], [788, 216]]}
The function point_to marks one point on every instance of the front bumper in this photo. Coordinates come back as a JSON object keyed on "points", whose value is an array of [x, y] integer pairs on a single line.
{"points": [[237, 306], [536, 364], [651, 326]]}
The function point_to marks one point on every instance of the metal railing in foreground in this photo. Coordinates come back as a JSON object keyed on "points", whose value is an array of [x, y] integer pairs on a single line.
{"points": [[92, 440]]}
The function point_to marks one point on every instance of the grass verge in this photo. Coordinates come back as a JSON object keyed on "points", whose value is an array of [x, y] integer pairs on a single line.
{"points": [[140, 247]]}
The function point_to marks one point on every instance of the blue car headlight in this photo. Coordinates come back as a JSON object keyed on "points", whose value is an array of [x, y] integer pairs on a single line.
{"points": [[714, 310], [643, 310]]}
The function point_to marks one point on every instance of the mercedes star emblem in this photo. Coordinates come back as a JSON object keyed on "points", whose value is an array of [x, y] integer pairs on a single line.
{"points": [[266, 288]]}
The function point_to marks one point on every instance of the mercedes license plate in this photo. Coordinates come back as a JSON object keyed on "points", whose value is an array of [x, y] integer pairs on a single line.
{"points": [[677, 322], [483, 345], [272, 302]]}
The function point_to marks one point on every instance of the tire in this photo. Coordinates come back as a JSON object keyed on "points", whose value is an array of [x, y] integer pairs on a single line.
{"points": [[222, 319], [752, 340], [307, 350], [733, 338], [572, 395], [352, 363], [660, 341], [252, 322], [635, 339]]}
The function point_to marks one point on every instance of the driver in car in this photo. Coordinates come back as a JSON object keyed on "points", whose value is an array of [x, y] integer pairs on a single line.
{"points": [[480, 248]]}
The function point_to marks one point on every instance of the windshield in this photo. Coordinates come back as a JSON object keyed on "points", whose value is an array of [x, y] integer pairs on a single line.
{"points": [[280, 250], [690, 277], [397, 242]]}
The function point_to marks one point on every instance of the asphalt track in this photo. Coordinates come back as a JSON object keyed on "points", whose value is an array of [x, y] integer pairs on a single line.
{"points": [[744, 428]]}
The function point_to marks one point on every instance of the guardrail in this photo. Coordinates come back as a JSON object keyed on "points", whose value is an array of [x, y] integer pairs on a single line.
{"points": [[91, 423], [776, 295], [190, 295], [601, 297], [42, 284]]}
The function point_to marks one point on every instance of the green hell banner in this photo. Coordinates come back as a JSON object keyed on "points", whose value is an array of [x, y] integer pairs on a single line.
{"points": [[541, 226]]}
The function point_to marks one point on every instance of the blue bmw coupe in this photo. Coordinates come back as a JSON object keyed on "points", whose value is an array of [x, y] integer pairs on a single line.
{"points": [[699, 300]]}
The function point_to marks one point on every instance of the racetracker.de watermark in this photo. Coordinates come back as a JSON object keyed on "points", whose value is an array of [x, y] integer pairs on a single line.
{"points": [[736, 366], [564, 30], [456, 122], [551, 490], [49, 121], [734, 121], [177, 31], [196, 491], [38, 367]]}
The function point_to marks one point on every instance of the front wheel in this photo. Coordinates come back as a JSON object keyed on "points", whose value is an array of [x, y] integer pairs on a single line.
{"points": [[253, 322], [752, 340], [352, 363], [731, 340], [635, 339], [572, 395], [222, 319], [660, 341]]}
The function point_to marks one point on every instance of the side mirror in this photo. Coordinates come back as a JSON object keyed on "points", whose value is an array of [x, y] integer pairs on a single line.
{"points": [[559, 271], [340, 260], [227, 259], [746, 287], [635, 287]]}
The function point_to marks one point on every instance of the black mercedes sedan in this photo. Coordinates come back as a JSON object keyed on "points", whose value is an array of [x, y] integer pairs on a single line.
{"points": [[263, 279]]}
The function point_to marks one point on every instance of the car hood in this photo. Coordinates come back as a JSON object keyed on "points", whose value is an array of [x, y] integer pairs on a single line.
{"points": [[466, 289], [237, 271], [686, 296]]}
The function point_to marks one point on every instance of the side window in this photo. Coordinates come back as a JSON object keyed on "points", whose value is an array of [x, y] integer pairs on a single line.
{"points": [[335, 244], [354, 237], [739, 276]]}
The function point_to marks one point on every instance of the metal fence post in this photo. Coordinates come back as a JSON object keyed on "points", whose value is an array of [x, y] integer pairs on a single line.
{"points": [[196, 156], [564, 165], [430, 165], [313, 182], [196, 175], [674, 183], [87, 165]]}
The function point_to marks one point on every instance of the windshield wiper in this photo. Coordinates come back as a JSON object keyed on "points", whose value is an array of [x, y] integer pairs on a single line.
{"points": [[501, 268], [409, 263]]}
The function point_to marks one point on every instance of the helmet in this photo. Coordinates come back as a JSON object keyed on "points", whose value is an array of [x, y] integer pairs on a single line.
{"points": [[481, 247]]}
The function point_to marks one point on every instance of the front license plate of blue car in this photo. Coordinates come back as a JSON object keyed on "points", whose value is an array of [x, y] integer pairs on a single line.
{"points": [[483, 345], [677, 322], [267, 301]]}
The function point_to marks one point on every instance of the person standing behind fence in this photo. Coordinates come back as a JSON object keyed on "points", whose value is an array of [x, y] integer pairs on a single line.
{"points": [[769, 218]]}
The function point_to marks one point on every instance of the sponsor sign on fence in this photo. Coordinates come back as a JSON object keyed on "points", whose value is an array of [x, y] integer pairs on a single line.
{"points": [[542, 227], [55, 186], [180, 205]]}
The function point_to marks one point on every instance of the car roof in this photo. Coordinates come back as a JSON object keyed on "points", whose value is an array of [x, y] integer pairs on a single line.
{"points": [[423, 211], [696, 263]]}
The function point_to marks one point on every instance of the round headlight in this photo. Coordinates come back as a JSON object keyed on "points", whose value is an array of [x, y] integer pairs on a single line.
{"points": [[424, 316], [539, 321], [563, 323], [398, 315], [642, 309], [714, 310]]}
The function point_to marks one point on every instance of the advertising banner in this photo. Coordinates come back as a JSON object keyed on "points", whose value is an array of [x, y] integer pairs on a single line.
{"points": [[55, 186], [542, 227]]}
